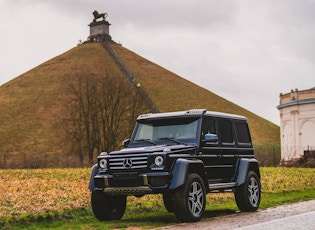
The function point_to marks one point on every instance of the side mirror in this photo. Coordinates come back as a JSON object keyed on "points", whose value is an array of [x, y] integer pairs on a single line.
{"points": [[213, 138], [125, 143]]}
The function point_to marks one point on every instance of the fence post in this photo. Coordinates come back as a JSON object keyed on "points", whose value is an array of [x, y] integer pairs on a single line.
{"points": [[24, 160], [274, 156]]}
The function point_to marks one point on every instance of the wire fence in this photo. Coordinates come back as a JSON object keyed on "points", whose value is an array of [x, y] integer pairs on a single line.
{"points": [[266, 156]]}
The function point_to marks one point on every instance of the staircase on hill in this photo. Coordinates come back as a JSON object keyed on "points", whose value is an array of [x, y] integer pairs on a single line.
{"points": [[130, 76]]}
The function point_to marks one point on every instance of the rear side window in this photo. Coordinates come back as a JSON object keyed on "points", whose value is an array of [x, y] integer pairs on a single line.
{"points": [[242, 132], [225, 133]]}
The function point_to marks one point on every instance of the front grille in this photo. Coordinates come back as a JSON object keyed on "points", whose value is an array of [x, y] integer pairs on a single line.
{"points": [[121, 163]]}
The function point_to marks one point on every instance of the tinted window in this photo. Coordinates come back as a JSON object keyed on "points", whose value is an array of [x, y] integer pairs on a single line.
{"points": [[208, 126], [225, 127], [242, 132]]}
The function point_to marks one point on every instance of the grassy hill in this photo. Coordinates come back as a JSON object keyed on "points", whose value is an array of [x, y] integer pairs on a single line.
{"points": [[32, 105]]}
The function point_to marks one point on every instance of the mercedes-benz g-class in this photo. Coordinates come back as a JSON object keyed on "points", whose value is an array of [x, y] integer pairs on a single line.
{"points": [[183, 156]]}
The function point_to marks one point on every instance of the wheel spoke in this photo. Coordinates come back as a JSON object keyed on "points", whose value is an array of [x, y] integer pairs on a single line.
{"points": [[255, 199], [194, 207], [191, 198], [199, 193], [195, 187], [199, 205]]}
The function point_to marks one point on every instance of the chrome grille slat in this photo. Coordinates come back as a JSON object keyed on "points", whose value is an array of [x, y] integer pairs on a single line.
{"points": [[117, 163]]}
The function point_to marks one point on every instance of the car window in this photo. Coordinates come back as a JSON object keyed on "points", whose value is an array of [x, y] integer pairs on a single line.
{"points": [[208, 126], [225, 131], [242, 132]]}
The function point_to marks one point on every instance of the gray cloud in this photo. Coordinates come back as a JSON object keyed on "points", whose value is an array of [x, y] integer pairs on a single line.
{"points": [[175, 13]]}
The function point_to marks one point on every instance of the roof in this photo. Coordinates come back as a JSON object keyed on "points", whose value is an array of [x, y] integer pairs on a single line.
{"points": [[189, 113], [226, 115]]}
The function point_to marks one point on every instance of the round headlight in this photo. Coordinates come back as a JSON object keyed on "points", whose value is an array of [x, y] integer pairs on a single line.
{"points": [[103, 163], [158, 160]]}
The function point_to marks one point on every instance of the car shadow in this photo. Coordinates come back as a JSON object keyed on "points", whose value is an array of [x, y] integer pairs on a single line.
{"points": [[217, 213], [167, 218]]}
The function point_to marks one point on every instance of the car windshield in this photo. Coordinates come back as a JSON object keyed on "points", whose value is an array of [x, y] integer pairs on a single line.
{"points": [[166, 129]]}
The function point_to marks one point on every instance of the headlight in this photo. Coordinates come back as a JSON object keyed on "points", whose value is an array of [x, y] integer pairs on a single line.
{"points": [[103, 163], [159, 160]]}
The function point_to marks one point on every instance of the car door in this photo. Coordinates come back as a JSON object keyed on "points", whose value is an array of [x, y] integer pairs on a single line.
{"points": [[228, 150], [210, 150]]}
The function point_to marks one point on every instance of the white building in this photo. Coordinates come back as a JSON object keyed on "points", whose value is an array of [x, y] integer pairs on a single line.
{"points": [[297, 123]]}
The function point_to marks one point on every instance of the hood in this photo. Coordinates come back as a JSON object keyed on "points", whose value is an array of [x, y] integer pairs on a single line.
{"points": [[152, 149]]}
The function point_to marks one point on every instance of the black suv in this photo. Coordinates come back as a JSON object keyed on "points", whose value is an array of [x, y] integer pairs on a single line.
{"points": [[182, 155]]}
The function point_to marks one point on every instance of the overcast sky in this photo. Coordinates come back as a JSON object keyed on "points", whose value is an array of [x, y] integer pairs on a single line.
{"points": [[247, 51]]}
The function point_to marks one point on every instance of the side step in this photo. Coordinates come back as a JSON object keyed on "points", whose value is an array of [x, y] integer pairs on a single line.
{"points": [[222, 186]]}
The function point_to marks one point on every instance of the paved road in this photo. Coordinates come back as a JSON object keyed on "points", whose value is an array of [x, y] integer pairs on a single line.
{"points": [[295, 216], [305, 221]]}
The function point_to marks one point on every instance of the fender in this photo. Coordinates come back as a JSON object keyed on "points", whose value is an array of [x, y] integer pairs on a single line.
{"points": [[95, 169], [181, 170], [243, 167]]}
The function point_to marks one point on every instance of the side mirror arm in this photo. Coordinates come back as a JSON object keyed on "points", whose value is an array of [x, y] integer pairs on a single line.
{"points": [[125, 143]]}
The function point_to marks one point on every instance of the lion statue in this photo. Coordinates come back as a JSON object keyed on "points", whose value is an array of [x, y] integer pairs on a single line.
{"points": [[97, 15]]}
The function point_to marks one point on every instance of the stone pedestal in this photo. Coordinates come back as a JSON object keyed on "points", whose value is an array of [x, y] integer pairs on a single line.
{"points": [[99, 31]]}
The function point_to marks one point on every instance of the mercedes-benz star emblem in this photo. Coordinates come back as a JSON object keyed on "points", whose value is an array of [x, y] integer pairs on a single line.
{"points": [[127, 163]]}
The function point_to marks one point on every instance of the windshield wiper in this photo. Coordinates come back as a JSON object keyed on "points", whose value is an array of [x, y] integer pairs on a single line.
{"points": [[145, 140], [171, 139]]}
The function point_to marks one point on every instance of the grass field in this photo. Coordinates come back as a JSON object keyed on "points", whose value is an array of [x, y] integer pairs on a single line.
{"points": [[59, 198]]}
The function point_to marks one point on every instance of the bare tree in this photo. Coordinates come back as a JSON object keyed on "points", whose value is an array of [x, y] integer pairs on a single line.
{"points": [[74, 122], [101, 111]]}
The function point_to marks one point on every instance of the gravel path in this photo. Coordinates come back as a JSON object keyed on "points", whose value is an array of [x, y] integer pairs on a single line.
{"points": [[240, 220]]}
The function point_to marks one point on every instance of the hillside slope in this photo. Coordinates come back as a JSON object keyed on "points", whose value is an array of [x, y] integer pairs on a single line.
{"points": [[32, 105]]}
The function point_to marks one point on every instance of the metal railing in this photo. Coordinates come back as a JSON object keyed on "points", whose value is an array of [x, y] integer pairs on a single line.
{"points": [[130, 76]]}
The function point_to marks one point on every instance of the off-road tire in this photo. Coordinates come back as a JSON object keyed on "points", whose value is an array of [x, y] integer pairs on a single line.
{"points": [[168, 201], [190, 199], [247, 196], [107, 207]]}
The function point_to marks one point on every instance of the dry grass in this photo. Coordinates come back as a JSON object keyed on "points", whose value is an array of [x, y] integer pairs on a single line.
{"points": [[44, 190]]}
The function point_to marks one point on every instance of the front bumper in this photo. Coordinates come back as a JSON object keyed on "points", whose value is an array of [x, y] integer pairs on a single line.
{"points": [[132, 183]]}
